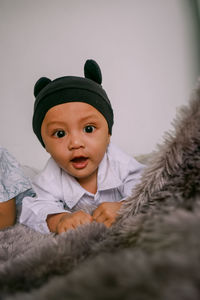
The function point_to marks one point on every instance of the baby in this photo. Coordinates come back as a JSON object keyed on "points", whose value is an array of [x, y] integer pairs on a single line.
{"points": [[87, 178]]}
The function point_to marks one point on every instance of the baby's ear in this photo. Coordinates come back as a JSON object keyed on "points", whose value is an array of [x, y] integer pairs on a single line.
{"points": [[92, 71], [40, 84]]}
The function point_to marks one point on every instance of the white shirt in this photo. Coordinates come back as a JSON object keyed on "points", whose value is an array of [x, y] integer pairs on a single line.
{"points": [[57, 191]]}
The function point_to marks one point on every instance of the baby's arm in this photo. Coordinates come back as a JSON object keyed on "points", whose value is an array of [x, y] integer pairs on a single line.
{"points": [[107, 212], [7, 213], [62, 222]]}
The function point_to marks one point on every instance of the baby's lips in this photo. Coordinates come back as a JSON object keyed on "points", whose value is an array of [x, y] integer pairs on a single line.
{"points": [[79, 162], [79, 159]]}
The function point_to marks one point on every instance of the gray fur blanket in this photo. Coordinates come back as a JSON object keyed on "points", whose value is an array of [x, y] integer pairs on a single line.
{"points": [[152, 252]]}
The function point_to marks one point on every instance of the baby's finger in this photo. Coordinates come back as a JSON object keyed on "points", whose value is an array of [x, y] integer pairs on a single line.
{"points": [[86, 220], [108, 223], [96, 213], [62, 229], [101, 219]]}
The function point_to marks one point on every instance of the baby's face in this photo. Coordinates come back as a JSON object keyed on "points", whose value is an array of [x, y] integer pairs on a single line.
{"points": [[76, 135]]}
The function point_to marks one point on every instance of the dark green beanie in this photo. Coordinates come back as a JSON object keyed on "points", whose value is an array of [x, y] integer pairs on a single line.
{"points": [[65, 89]]}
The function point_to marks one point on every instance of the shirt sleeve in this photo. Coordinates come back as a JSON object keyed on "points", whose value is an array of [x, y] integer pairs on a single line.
{"points": [[135, 170], [36, 209], [12, 178], [48, 200]]}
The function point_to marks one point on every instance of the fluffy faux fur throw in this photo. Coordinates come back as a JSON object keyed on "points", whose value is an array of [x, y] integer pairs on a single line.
{"points": [[152, 252]]}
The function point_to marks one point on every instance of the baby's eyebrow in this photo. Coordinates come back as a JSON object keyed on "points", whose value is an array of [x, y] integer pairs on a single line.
{"points": [[94, 117], [57, 123], [90, 117]]}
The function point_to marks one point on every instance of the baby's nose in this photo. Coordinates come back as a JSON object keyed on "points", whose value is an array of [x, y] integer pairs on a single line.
{"points": [[76, 142]]}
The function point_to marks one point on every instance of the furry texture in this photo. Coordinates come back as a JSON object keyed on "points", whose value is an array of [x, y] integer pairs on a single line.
{"points": [[152, 252]]}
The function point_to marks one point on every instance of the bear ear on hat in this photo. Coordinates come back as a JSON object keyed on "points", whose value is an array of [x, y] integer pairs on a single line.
{"points": [[40, 84], [92, 71]]}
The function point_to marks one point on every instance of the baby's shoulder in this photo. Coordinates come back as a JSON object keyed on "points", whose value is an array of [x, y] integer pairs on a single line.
{"points": [[121, 162], [51, 172], [116, 154]]}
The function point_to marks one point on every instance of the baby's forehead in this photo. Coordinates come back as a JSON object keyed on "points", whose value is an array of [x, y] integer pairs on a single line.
{"points": [[71, 112], [78, 106]]}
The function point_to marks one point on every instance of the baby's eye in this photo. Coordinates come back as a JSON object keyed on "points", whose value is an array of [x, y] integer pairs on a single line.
{"points": [[89, 129], [59, 134]]}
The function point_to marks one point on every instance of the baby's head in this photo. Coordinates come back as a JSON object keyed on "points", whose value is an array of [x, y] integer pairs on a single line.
{"points": [[68, 89], [73, 120]]}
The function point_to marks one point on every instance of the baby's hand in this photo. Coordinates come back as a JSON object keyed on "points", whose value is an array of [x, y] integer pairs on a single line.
{"points": [[73, 220], [106, 212]]}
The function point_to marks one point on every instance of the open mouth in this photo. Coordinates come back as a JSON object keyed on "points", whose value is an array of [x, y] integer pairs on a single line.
{"points": [[80, 162]]}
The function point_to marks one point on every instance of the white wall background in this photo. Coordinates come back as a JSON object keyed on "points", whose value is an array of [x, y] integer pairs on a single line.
{"points": [[148, 51]]}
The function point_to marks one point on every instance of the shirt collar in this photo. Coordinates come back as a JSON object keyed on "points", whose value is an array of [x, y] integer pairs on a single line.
{"points": [[72, 190], [106, 179]]}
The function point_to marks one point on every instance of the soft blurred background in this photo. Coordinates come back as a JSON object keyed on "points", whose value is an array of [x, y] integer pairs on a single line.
{"points": [[148, 50]]}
